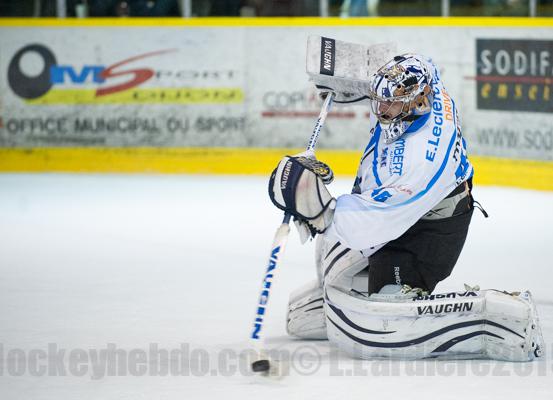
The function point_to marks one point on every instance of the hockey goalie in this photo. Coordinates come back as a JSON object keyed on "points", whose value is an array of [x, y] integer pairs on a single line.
{"points": [[382, 249]]}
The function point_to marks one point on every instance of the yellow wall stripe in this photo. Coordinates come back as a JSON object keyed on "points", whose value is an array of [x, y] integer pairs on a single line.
{"points": [[489, 171], [275, 22], [169, 95]]}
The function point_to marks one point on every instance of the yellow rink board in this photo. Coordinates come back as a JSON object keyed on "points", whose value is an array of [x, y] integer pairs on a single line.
{"points": [[489, 171], [215, 22]]}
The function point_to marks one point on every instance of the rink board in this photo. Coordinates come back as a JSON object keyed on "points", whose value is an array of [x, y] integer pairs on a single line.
{"points": [[528, 174], [157, 94]]}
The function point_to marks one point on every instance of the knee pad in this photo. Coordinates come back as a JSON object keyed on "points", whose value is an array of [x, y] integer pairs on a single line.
{"points": [[335, 264], [338, 264]]}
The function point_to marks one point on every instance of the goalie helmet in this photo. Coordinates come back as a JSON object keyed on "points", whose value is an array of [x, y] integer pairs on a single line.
{"points": [[399, 91]]}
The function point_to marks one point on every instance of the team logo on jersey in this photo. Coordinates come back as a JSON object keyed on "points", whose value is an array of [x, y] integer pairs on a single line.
{"points": [[397, 157], [384, 157], [442, 110]]}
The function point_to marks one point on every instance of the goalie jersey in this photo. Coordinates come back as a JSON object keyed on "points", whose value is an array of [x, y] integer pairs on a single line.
{"points": [[400, 182]]}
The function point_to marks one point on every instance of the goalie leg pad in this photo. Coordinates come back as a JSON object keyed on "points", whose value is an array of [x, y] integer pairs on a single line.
{"points": [[474, 324], [306, 317], [338, 265]]}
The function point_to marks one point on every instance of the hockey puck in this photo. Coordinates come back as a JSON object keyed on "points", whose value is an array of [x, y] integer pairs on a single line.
{"points": [[261, 366]]}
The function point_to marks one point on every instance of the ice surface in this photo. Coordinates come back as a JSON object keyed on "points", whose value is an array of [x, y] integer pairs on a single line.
{"points": [[87, 260]]}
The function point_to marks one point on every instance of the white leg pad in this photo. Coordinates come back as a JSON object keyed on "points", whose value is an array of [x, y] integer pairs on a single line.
{"points": [[473, 324], [306, 316]]}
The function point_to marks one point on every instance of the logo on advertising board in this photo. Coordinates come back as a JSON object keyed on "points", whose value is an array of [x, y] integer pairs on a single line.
{"points": [[297, 104], [514, 75], [118, 83]]}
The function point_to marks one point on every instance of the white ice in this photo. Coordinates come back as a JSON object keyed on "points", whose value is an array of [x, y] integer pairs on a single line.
{"points": [[87, 260]]}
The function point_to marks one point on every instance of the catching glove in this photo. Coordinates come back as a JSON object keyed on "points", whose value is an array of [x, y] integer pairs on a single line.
{"points": [[297, 186]]}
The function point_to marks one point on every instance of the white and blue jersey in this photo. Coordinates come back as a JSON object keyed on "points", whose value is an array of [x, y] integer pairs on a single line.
{"points": [[400, 182]]}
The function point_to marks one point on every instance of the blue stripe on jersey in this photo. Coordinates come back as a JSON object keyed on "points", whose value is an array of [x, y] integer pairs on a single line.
{"points": [[438, 174], [377, 132], [432, 181], [418, 123], [440, 171], [371, 143]]}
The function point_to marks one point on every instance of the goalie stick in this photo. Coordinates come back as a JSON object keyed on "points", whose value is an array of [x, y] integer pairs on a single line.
{"points": [[262, 364]]}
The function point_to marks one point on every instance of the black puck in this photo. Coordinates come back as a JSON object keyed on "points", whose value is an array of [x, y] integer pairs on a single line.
{"points": [[261, 366]]}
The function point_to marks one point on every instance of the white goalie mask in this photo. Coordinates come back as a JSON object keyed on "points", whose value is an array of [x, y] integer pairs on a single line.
{"points": [[399, 91]]}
